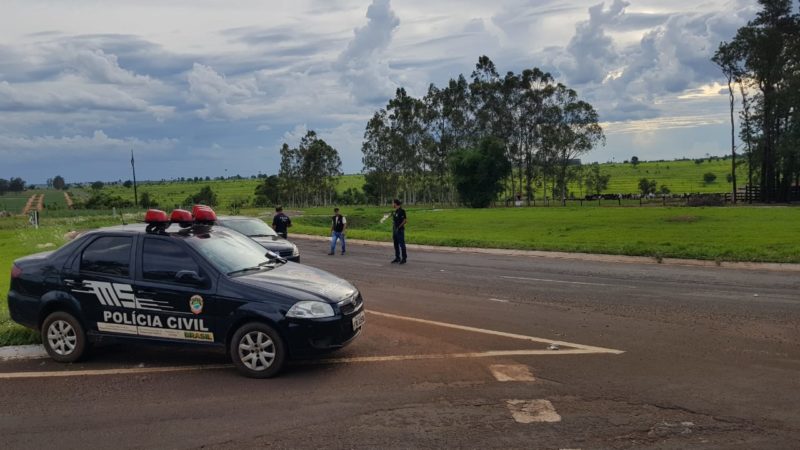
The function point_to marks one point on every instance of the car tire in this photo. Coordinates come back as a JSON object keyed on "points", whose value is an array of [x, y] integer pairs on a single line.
{"points": [[257, 350], [63, 337]]}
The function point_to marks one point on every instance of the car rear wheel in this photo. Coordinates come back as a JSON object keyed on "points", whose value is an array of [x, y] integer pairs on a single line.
{"points": [[63, 337], [257, 350]]}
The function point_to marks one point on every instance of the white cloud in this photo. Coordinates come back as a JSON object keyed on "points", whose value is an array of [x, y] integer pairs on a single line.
{"points": [[221, 98], [78, 149], [361, 64]]}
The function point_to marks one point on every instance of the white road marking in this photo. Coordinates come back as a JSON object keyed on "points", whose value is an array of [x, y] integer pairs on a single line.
{"points": [[545, 280], [79, 373], [499, 300], [587, 348], [511, 372], [532, 411], [487, 354], [575, 349]]}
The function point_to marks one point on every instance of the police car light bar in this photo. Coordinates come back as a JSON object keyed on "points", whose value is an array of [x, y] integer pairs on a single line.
{"points": [[204, 215], [181, 217]]}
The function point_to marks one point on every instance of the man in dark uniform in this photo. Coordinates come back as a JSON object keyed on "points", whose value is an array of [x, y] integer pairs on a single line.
{"points": [[399, 232], [338, 225], [281, 223]]}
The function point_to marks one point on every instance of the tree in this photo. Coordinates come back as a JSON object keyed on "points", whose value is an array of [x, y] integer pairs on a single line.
{"points": [[709, 177], [268, 192], [16, 185], [147, 202], [726, 59], [647, 186], [635, 161], [58, 182], [308, 173], [205, 196], [663, 190], [571, 129], [4, 186], [766, 50], [127, 184], [596, 182], [478, 173], [97, 185]]}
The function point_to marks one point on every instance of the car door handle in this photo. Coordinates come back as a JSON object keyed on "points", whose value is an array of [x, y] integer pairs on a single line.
{"points": [[74, 284]]}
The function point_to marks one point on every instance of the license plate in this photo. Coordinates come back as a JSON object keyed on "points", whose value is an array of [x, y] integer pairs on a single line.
{"points": [[358, 321]]}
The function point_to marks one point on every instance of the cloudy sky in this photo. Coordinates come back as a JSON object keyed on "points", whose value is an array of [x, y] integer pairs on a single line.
{"points": [[206, 87]]}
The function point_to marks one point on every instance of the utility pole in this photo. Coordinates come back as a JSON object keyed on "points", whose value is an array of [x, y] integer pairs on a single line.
{"points": [[135, 194]]}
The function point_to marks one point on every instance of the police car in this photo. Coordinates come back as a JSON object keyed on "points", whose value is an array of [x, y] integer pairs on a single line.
{"points": [[181, 279], [260, 232]]}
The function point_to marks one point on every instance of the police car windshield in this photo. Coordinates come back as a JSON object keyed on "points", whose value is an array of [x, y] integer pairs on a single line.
{"points": [[249, 227], [232, 253]]}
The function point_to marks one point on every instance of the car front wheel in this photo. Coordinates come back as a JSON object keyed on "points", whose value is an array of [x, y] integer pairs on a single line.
{"points": [[63, 337], [257, 350]]}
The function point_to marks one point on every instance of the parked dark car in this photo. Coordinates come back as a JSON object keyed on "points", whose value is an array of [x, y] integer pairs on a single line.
{"points": [[198, 285], [262, 233]]}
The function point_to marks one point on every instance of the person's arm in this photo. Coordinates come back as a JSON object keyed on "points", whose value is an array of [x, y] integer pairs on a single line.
{"points": [[333, 224], [288, 222], [344, 222], [403, 223]]}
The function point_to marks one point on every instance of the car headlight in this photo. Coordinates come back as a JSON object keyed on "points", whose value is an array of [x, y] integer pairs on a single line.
{"points": [[310, 310], [295, 251]]}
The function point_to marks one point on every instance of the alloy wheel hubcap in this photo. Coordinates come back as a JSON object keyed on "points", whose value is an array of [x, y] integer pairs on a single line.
{"points": [[62, 337], [256, 351]]}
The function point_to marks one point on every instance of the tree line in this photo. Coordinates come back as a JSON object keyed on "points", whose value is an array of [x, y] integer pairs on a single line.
{"points": [[414, 147], [762, 63], [15, 184]]}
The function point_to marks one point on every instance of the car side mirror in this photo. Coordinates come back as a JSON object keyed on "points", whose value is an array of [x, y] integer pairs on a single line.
{"points": [[189, 276]]}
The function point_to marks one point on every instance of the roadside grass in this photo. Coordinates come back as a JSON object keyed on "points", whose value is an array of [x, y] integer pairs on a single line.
{"points": [[17, 239], [765, 234]]}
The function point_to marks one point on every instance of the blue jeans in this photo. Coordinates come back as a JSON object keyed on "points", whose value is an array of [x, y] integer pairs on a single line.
{"points": [[399, 238], [335, 236]]}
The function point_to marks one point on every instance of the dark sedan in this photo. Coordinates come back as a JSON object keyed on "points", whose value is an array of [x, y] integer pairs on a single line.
{"points": [[198, 285], [260, 232]]}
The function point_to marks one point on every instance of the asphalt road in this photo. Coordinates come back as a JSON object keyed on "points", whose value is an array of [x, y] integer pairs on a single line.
{"points": [[457, 353]]}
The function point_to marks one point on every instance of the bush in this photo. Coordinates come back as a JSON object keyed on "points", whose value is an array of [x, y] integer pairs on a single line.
{"points": [[478, 173], [709, 177], [206, 196]]}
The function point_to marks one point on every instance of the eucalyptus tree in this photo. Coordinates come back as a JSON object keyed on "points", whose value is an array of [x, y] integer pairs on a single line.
{"points": [[308, 173], [408, 137], [380, 163], [767, 50], [571, 130], [727, 59]]}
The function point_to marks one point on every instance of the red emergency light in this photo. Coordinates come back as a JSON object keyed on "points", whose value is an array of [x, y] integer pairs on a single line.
{"points": [[156, 220], [155, 216], [182, 217], [204, 215]]}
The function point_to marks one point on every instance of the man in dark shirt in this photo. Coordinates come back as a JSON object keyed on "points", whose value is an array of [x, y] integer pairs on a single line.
{"points": [[399, 232], [338, 225], [281, 223]]}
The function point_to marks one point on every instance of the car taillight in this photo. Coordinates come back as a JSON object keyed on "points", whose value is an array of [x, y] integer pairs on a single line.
{"points": [[16, 272]]}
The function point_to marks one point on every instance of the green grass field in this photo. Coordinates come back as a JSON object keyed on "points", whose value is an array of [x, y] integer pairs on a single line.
{"points": [[14, 202], [721, 234], [679, 176]]}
